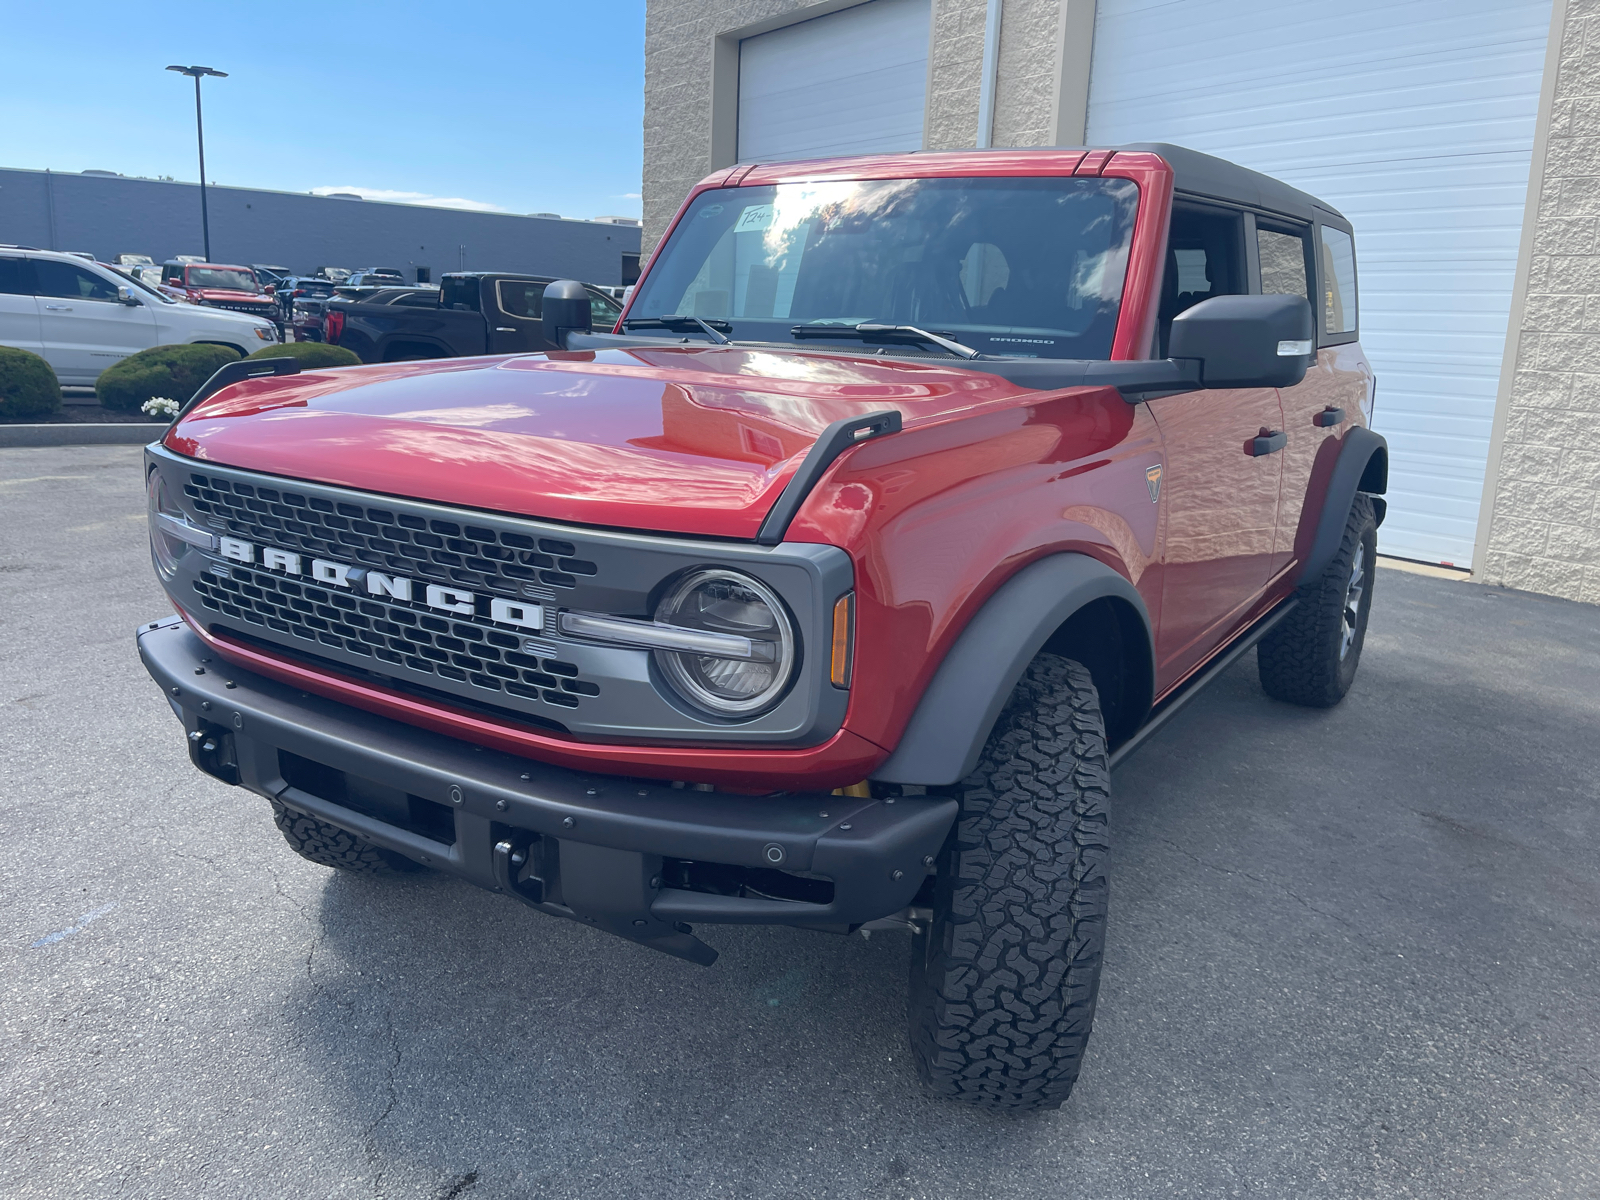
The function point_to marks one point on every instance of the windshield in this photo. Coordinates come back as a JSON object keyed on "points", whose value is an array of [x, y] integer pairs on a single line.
{"points": [[236, 278], [148, 290], [1017, 267]]}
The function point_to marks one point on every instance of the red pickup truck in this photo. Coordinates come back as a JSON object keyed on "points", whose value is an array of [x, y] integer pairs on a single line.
{"points": [[909, 495], [218, 285]]}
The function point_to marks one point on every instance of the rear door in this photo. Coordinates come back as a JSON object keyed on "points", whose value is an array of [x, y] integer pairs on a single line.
{"points": [[83, 325], [19, 311], [1221, 470], [514, 325], [1333, 396], [517, 328]]}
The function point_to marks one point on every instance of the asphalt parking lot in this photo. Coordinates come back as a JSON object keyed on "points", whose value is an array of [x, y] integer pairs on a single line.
{"points": [[1352, 953]]}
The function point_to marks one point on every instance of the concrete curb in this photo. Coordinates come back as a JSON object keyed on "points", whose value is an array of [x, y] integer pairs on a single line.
{"points": [[82, 434]]}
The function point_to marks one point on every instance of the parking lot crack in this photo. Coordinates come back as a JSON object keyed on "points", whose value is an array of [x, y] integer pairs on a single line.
{"points": [[370, 1134], [1265, 882]]}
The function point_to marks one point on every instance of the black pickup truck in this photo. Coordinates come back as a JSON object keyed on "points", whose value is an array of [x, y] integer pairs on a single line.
{"points": [[477, 313]]}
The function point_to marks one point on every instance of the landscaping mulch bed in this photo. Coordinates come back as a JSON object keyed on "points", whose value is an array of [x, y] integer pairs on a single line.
{"points": [[74, 412]]}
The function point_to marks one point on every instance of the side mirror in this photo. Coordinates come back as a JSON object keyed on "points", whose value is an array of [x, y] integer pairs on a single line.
{"points": [[565, 309], [127, 296], [1246, 341], [270, 289]]}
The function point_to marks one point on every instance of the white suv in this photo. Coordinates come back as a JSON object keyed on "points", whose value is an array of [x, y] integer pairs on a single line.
{"points": [[82, 317]]}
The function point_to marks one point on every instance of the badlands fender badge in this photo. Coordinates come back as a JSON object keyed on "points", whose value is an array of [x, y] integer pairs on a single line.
{"points": [[1152, 480]]}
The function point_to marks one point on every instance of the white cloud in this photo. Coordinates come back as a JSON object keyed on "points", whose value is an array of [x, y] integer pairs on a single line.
{"points": [[629, 196], [394, 197]]}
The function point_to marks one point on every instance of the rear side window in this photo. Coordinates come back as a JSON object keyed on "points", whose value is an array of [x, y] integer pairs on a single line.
{"points": [[1338, 281], [459, 294], [520, 298], [15, 277], [1283, 263]]}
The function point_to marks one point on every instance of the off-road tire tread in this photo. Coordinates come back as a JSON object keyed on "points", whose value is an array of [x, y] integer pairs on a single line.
{"points": [[1004, 983], [1298, 662], [330, 846]]}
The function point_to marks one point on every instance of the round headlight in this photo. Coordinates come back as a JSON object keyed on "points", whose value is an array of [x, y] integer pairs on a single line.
{"points": [[728, 602], [164, 549]]}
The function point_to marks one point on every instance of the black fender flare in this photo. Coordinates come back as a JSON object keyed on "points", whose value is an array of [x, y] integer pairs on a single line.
{"points": [[1363, 466], [946, 733]]}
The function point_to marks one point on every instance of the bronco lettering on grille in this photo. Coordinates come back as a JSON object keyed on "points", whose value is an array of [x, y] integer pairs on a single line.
{"points": [[376, 583]]}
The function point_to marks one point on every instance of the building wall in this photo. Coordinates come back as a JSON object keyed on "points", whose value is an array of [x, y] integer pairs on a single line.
{"points": [[109, 215], [1543, 513], [682, 104], [680, 39]]}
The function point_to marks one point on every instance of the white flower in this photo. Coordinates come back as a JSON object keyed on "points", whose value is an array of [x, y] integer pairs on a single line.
{"points": [[160, 406]]}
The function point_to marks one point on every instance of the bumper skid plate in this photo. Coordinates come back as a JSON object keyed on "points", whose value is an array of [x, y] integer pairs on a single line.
{"points": [[601, 849]]}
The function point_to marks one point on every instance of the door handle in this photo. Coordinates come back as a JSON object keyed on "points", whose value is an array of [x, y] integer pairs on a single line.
{"points": [[58, 308], [1328, 418], [1270, 441], [503, 329]]}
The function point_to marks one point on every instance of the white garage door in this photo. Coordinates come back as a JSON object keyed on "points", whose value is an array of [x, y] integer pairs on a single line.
{"points": [[1415, 118], [852, 82]]}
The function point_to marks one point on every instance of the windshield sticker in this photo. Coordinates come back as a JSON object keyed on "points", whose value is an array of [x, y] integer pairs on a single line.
{"points": [[755, 218]]}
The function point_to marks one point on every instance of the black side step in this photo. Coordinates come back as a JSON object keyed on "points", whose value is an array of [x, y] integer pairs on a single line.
{"points": [[835, 440], [1169, 707]]}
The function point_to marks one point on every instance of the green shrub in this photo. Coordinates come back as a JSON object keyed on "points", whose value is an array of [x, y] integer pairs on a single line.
{"points": [[28, 386], [311, 354], [175, 372]]}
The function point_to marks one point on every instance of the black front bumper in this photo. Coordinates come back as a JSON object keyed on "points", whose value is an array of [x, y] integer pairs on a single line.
{"points": [[602, 849]]}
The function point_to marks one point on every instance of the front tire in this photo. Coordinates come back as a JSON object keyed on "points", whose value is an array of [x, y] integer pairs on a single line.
{"points": [[1311, 657], [1005, 978], [329, 846]]}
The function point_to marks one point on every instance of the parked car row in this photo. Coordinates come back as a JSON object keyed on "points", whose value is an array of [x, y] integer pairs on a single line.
{"points": [[471, 312], [83, 316]]}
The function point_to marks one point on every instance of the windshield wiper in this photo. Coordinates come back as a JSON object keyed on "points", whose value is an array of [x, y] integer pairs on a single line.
{"points": [[716, 330], [869, 332]]}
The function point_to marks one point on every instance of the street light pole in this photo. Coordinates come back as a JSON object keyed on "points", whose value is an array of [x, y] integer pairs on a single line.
{"points": [[200, 133]]}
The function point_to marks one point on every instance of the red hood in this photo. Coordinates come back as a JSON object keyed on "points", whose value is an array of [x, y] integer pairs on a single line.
{"points": [[675, 439], [231, 295]]}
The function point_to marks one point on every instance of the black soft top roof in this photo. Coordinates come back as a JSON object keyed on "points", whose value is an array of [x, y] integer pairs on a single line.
{"points": [[1216, 178]]}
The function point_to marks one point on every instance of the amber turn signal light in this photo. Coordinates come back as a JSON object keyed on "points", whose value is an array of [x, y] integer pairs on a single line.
{"points": [[843, 620]]}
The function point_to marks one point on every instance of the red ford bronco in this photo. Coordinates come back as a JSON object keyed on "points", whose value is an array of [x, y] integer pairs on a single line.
{"points": [[907, 497]]}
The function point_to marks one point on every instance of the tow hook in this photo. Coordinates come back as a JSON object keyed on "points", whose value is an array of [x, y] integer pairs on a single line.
{"points": [[511, 870], [211, 749]]}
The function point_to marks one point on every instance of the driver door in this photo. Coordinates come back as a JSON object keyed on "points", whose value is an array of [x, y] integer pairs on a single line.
{"points": [[83, 326], [1221, 471]]}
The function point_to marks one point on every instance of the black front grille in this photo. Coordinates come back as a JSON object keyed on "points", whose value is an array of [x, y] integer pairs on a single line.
{"points": [[253, 310], [473, 556], [490, 659]]}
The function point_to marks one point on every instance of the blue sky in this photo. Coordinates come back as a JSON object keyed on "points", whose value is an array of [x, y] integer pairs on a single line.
{"points": [[525, 107]]}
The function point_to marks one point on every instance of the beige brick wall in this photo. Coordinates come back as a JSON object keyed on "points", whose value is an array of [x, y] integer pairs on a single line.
{"points": [[1544, 531], [678, 66]]}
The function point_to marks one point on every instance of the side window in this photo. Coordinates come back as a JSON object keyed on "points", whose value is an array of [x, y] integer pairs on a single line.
{"points": [[15, 277], [519, 298], [59, 279], [1205, 258], [459, 294], [603, 313], [1283, 263], [1338, 281]]}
